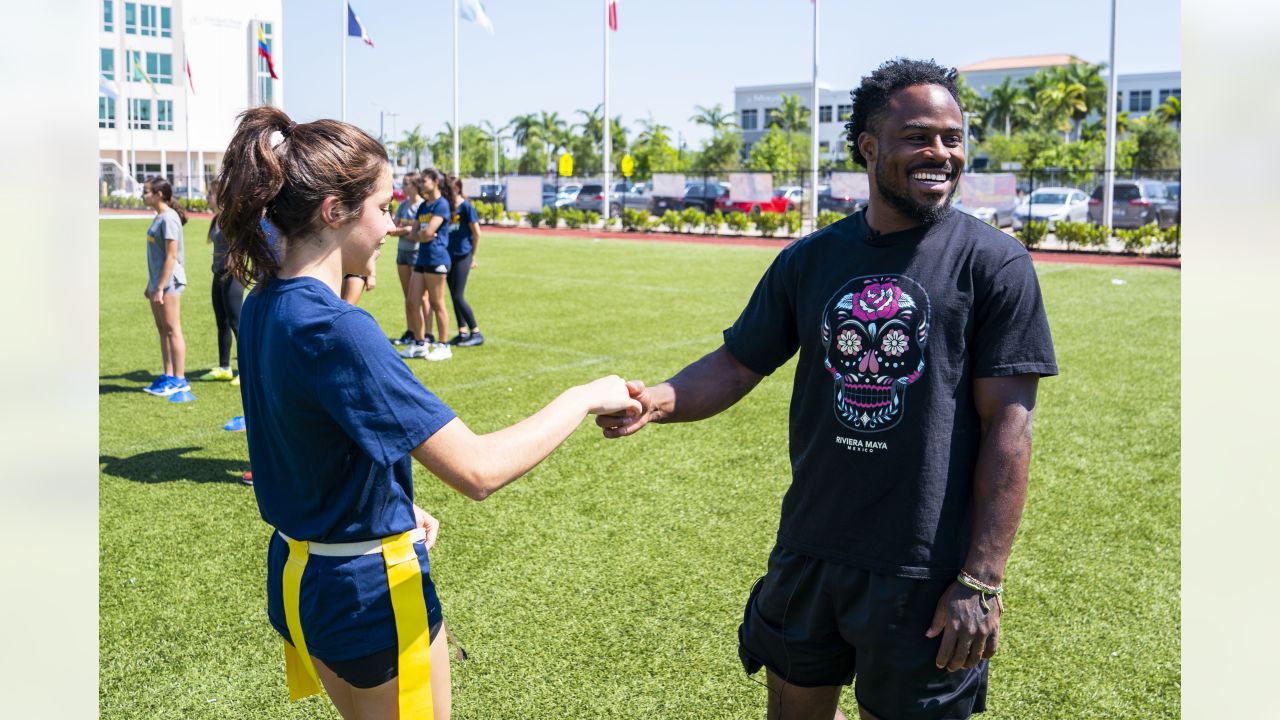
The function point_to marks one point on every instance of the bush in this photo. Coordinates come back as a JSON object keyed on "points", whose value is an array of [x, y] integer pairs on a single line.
{"points": [[1171, 240], [535, 219], [194, 205], [671, 220], [793, 222], [692, 218], [592, 217], [1138, 239], [513, 217], [634, 220], [713, 222], [737, 222], [573, 217], [826, 217], [1073, 234], [1033, 232], [1099, 237], [551, 216], [769, 223]]}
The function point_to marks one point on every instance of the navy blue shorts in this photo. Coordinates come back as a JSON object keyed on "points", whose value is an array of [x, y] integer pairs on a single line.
{"points": [[818, 623]]}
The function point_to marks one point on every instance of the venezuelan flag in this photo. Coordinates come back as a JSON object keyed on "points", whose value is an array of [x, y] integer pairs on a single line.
{"points": [[264, 52]]}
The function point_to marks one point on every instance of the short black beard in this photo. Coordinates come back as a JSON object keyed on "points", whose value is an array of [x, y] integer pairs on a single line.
{"points": [[923, 214]]}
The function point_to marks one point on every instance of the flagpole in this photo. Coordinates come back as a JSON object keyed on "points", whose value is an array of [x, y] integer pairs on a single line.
{"points": [[813, 153], [345, 24], [1109, 170], [608, 135], [456, 113], [186, 118]]}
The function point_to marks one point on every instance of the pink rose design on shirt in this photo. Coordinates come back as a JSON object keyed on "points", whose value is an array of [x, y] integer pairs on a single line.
{"points": [[878, 300]]}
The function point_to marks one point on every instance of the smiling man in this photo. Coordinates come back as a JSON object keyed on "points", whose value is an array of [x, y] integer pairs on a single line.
{"points": [[922, 336]]}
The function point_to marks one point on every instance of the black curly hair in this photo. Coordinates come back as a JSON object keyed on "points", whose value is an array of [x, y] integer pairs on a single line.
{"points": [[872, 96]]}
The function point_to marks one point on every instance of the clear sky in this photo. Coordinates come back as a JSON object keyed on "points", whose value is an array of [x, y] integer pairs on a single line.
{"points": [[670, 55]]}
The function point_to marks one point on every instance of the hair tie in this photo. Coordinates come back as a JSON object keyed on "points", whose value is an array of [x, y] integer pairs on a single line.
{"points": [[285, 132]]}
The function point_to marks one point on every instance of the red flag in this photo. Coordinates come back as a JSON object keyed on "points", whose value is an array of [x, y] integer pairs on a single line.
{"points": [[190, 83], [613, 15]]}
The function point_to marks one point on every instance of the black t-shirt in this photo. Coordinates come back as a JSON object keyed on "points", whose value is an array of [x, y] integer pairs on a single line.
{"points": [[892, 330]]}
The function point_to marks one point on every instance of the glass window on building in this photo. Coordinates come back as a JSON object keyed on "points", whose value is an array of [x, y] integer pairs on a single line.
{"points": [[771, 117], [131, 18], [150, 21], [160, 68], [266, 94], [1170, 92], [1119, 101], [824, 146], [166, 22], [843, 112], [1139, 100], [750, 119], [106, 112], [164, 114], [107, 65], [108, 16], [824, 113], [139, 114], [144, 171], [132, 62]]}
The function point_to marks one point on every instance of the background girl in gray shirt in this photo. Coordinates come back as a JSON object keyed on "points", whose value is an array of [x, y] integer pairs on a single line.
{"points": [[166, 279]]}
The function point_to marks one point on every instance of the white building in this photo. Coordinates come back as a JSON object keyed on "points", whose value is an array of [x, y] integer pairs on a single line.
{"points": [[147, 129], [753, 105], [1139, 94]]}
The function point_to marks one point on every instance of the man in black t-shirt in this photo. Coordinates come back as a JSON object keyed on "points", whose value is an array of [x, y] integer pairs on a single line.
{"points": [[922, 336]]}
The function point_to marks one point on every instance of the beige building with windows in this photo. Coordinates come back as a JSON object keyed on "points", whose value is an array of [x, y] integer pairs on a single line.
{"points": [[148, 128]]}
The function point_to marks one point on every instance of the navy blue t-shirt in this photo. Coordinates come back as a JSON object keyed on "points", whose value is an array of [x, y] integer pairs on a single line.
{"points": [[892, 331], [460, 230], [331, 414], [435, 253]]}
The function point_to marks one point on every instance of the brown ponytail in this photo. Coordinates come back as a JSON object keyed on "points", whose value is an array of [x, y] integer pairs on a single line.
{"points": [[160, 186], [281, 171], [446, 187]]}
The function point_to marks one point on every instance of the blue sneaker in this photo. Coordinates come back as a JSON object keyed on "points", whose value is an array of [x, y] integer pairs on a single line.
{"points": [[174, 385], [157, 385]]}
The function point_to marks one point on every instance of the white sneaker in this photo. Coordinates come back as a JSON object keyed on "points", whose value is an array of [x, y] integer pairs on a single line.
{"points": [[415, 350], [440, 351]]}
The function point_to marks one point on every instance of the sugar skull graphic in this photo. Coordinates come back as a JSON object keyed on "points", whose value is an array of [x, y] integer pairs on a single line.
{"points": [[874, 331]]}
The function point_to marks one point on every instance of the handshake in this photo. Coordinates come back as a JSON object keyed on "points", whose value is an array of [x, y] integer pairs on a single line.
{"points": [[621, 406]]}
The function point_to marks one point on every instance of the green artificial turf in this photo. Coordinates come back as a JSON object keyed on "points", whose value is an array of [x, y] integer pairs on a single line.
{"points": [[609, 582]]}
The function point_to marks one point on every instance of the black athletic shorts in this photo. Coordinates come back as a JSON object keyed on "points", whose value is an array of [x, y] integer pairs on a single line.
{"points": [[817, 623], [372, 670]]}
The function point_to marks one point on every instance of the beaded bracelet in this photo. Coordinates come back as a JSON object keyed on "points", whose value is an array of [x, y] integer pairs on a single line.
{"points": [[983, 589]]}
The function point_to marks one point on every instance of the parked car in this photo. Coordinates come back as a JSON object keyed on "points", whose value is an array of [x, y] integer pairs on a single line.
{"points": [[181, 193], [591, 197], [776, 204], [1000, 215], [703, 195], [1136, 203], [1051, 204], [661, 203], [548, 195], [794, 195], [491, 193], [568, 195], [842, 204]]}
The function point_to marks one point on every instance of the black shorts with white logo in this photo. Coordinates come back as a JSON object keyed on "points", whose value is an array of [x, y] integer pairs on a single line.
{"points": [[817, 623]]}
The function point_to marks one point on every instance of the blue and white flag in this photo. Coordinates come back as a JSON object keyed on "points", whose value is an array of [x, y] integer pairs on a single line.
{"points": [[354, 28], [106, 87], [473, 10]]}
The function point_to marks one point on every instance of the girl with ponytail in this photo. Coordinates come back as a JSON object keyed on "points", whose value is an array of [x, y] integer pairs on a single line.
{"points": [[335, 421], [167, 278], [431, 267]]}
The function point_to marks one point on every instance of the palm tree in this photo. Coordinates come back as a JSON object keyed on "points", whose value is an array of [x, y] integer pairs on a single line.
{"points": [[592, 125], [495, 136], [1003, 105], [414, 142], [524, 128], [714, 117], [619, 133], [1170, 111], [1061, 103], [553, 130]]}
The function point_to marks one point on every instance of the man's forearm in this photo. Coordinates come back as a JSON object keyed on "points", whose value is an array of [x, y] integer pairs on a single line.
{"points": [[999, 492], [706, 387]]}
